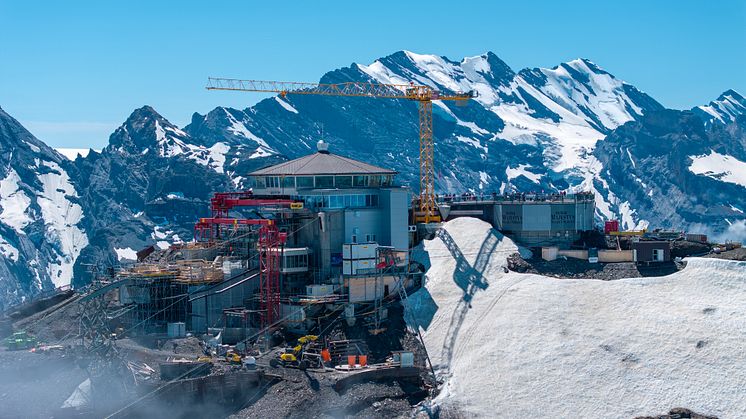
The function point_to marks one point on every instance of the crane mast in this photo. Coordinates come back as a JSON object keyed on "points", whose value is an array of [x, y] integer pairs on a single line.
{"points": [[424, 95]]}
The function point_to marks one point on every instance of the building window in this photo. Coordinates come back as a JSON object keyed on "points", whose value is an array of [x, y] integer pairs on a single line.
{"points": [[374, 181], [354, 238], [304, 182], [296, 261], [343, 181], [272, 181], [360, 181], [288, 182], [370, 238], [324, 181], [341, 201]]}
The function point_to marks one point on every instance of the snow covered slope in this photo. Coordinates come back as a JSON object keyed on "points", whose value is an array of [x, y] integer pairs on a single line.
{"points": [[726, 108], [41, 218], [718, 166], [525, 345]]}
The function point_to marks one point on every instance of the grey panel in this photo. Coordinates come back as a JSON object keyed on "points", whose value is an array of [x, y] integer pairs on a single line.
{"points": [[512, 217], [537, 217], [563, 217]]}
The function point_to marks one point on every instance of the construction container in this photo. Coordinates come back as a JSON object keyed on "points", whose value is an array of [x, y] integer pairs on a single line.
{"points": [[355, 267], [611, 225], [651, 251], [403, 358], [549, 253], [176, 330], [363, 289], [359, 250], [612, 256], [319, 290], [701, 238]]}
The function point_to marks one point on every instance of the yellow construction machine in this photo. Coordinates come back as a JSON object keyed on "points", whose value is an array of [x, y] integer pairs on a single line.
{"points": [[299, 356], [233, 358]]}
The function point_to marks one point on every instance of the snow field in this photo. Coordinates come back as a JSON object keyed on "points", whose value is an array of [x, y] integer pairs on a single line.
{"points": [[527, 345], [721, 167]]}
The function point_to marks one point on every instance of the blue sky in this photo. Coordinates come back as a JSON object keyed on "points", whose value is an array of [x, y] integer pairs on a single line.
{"points": [[73, 71]]}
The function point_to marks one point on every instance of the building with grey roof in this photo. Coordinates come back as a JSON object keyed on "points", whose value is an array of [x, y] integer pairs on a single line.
{"points": [[355, 203]]}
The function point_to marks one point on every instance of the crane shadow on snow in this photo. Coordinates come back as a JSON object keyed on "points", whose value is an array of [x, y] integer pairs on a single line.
{"points": [[470, 278]]}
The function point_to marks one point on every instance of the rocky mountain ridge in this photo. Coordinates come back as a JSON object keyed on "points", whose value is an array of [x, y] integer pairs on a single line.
{"points": [[571, 127]]}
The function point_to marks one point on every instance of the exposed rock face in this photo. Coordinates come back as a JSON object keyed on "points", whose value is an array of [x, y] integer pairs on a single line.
{"points": [[42, 232], [676, 172]]}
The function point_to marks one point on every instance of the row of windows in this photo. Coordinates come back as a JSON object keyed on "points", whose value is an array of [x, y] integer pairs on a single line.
{"points": [[340, 201], [295, 261], [320, 182]]}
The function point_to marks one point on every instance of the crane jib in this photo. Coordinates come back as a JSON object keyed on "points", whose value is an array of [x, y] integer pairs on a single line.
{"points": [[421, 93]]}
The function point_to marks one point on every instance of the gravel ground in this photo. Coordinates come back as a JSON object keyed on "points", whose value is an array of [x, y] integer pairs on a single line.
{"points": [[55, 325], [735, 254], [311, 395], [576, 268]]}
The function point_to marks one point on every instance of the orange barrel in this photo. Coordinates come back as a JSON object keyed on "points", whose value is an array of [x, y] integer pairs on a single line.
{"points": [[325, 355], [363, 360], [351, 360]]}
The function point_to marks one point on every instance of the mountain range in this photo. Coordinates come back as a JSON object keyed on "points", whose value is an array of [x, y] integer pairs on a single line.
{"points": [[571, 127]]}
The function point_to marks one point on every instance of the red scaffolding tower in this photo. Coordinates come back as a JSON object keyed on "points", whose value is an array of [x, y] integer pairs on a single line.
{"points": [[270, 242]]}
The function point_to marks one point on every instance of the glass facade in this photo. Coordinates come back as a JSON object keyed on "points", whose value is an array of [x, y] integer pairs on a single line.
{"points": [[295, 261], [340, 201], [322, 182], [288, 182], [343, 181], [304, 182]]}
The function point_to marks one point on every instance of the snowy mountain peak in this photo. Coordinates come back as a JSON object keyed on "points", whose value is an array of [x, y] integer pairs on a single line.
{"points": [[726, 108], [586, 90], [146, 130], [234, 127], [730, 94]]}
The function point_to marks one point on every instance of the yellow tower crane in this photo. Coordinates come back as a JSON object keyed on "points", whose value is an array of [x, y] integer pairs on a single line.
{"points": [[424, 95]]}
